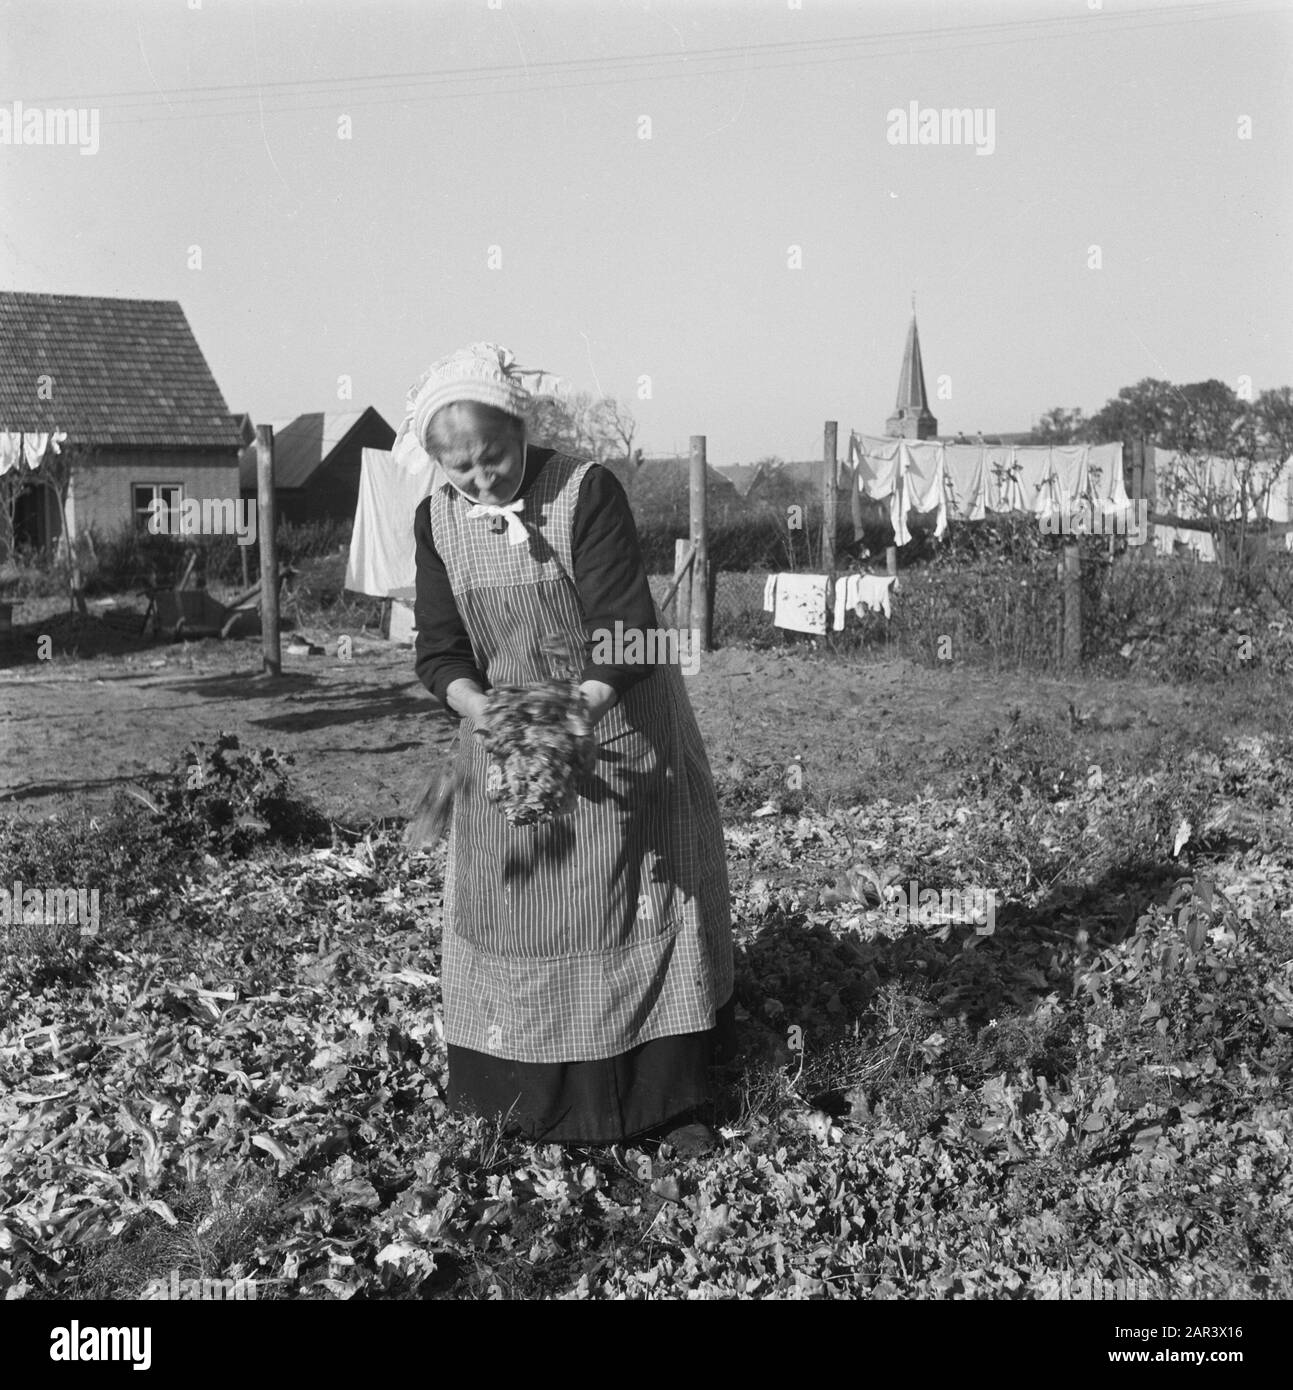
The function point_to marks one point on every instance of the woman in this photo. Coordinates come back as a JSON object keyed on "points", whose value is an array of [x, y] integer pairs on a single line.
{"points": [[587, 963]]}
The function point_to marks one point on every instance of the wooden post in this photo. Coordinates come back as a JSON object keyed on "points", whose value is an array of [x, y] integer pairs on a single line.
{"points": [[242, 556], [1142, 473], [891, 559], [701, 618], [829, 491], [1071, 605], [682, 592], [266, 521]]}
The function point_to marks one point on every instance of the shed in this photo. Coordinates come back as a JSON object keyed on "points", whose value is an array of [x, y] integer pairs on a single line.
{"points": [[318, 460]]}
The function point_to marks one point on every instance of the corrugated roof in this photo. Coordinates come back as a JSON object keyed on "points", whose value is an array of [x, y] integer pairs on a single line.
{"points": [[124, 372], [302, 444]]}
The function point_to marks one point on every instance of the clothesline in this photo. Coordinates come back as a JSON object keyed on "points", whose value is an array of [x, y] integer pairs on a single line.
{"points": [[963, 482]]}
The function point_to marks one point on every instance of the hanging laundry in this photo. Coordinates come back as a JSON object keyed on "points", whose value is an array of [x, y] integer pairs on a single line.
{"points": [[1001, 491], [1033, 467], [800, 604], [1105, 483], [856, 593], [879, 472], [963, 482], [964, 478], [1068, 482], [1177, 540], [770, 594], [924, 489], [1278, 496], [34, 446], [17, 448], [383, 551]]}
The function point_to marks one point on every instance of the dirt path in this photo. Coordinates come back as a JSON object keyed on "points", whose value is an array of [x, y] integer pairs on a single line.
{"points": [[364, 732]]}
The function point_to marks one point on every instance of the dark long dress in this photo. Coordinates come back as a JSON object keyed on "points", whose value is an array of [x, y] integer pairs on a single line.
{"points": [[587, 965]]}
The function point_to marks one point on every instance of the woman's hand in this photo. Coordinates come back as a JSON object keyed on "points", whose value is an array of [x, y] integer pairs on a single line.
{"points": [[600, 698], [466, 698]]}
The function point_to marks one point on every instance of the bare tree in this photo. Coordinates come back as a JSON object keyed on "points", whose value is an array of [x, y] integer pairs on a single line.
{"points": [[67, 458], [622, 428], [582, 424], [12, 484]]}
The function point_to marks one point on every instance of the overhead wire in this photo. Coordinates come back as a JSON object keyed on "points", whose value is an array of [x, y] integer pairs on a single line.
{"points": [[280, 97]]}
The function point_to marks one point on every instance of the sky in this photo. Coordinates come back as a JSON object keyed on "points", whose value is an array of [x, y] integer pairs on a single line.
{"points": [[707, 210]]}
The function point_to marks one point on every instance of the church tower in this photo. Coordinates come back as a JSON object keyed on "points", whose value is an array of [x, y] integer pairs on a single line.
{"points": [[912, 418]]}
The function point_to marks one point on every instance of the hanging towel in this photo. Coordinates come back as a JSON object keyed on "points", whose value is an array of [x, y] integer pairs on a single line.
{"points": [[1106, 486], [1279, 500], [856, 592], [801, 602], [965, 478], [1033, 467], [1002, 488], [770, 594], [923, 486], [1067, 482], [879, 473]]}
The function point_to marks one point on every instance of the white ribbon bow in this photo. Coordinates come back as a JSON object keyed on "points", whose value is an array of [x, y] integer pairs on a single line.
{"points": [[516, 532]]}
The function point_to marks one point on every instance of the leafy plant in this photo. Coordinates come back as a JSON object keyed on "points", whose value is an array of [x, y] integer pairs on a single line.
{"points": [[230, 799]]}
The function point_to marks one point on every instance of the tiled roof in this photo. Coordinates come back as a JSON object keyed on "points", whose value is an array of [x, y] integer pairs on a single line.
{"points": [[302, 444], [124, 372]]}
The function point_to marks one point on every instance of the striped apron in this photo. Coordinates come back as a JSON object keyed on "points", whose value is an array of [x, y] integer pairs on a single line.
{"points": [[579, 939]]}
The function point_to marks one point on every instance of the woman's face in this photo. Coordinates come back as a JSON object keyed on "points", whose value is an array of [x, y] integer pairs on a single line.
{"points": [[480, 449]]}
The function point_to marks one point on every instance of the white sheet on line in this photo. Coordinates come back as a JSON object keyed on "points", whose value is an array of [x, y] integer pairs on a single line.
{"points": [[382, 547]]}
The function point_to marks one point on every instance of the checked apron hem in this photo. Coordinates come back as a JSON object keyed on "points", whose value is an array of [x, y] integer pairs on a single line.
{"points": [[579, 1007]]}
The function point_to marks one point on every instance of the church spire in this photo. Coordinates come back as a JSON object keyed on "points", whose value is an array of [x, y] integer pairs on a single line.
{"points": [[912, 418]]}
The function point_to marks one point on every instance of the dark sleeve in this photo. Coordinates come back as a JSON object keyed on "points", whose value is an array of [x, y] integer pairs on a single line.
{"points": [[609, 573], [443, 651]]}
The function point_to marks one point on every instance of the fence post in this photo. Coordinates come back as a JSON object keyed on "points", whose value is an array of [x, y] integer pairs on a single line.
{"points": [[829, 492], [1071, 605], [266, 521], [682, 594], [1134, 476], [701, 618]]}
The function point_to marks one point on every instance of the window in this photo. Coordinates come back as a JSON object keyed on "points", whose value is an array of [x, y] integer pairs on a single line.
{"points": [[172, 494]]}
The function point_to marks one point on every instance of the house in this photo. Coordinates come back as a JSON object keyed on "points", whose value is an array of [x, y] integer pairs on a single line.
{"points": [[127, 382], [660, 490], [798, 482], [742, 476], [317, 462]]}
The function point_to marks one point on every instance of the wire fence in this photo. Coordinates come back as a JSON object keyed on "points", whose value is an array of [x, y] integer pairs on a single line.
{"points": [[1170, 615]]}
